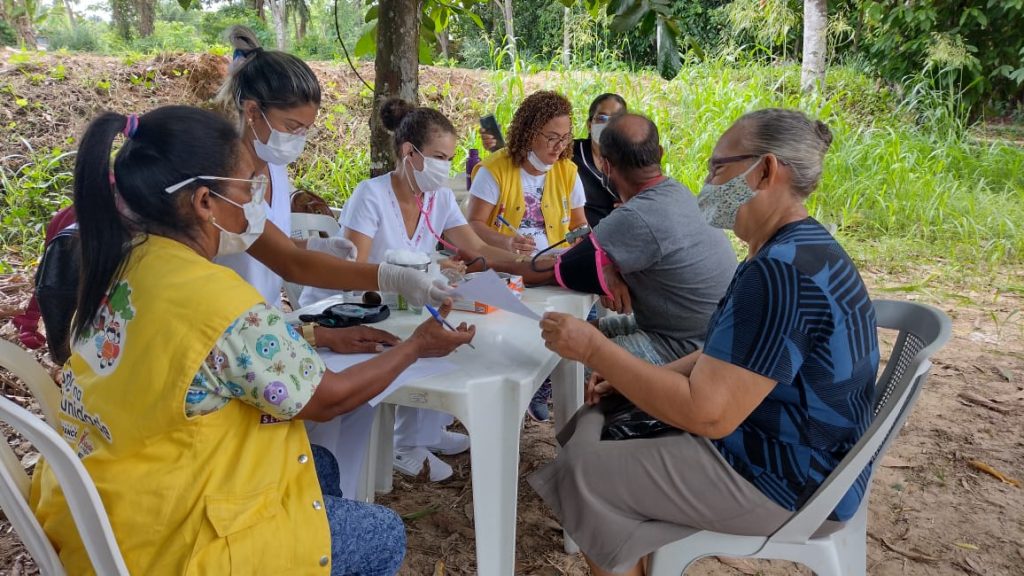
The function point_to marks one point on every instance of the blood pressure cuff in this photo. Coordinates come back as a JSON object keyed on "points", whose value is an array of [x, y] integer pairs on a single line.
{"points": [[348, 314], [579, 268]]}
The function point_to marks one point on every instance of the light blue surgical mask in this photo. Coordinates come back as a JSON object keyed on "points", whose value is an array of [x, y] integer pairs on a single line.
{"points": [[720, 203]]}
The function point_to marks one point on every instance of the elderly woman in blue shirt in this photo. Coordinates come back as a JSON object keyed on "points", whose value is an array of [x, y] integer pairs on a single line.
{"points": [[759, 418]]}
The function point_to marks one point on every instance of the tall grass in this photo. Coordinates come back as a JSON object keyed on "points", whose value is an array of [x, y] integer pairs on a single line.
{"points": [[902, 174]]}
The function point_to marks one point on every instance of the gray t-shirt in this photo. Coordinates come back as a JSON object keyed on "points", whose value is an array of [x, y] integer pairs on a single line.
{"points": [[676, 266]]}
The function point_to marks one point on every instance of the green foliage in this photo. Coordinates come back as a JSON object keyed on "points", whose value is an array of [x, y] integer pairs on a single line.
{"points": [[35, 186], [84, 36], [8, 37], [974, 53], [212, 25]]}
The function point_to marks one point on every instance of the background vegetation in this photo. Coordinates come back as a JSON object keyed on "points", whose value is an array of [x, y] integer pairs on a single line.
{"points": [[925, 100]]}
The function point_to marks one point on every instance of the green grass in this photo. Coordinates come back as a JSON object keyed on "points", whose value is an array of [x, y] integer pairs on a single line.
{"points": [[906, 182], [902, 180]]}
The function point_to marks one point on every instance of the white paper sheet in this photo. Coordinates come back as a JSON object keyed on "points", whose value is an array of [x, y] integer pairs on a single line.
{"points": [[422, 368], [489, 288]]}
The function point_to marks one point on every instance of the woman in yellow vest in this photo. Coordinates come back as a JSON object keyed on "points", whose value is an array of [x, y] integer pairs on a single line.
{"points": [[200, 479], [528, 195]]}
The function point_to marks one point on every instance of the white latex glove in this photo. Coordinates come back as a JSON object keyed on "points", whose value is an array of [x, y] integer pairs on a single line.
{"points": [[417, 287], [336, 246]]}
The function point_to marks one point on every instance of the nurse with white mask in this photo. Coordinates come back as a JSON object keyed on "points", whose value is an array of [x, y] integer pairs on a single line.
{"points": [[277, 98], [413, 208]]}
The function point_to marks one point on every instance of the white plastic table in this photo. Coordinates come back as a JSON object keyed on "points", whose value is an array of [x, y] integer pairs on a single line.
{"points": [[489, 393]]}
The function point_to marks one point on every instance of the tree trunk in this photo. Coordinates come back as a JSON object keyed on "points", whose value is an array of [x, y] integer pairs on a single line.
{"points": [[510, 30], [280, 29], [303, 25], [442, 42], [122, 13], [145, 11], [396, 71], [566, 37], [25, 29], [71, 13], [812, 74]]}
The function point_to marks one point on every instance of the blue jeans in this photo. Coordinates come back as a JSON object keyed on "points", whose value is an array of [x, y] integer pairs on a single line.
{"points": [[366, 539]]}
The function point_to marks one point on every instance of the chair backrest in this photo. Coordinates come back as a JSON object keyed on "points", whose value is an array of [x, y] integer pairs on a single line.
{"points": [[923, 330], [83, 500], [306, 225], [35, 377], [303, 227]]}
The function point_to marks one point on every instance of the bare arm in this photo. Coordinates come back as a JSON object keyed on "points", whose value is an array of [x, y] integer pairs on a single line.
{"points": [[479, 211], [363, 244], [468, 241], [711, 402], [308, 267], [577, 218], [341, 392]]}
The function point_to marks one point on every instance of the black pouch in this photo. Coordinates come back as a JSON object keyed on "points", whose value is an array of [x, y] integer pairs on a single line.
{"points": [[57, 290], [349, 314], [624, 421]]}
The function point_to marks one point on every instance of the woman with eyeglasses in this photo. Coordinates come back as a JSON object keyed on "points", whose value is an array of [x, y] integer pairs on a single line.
{"points": [[601, 199], [185, 390], [738, 436], [528, 195]]}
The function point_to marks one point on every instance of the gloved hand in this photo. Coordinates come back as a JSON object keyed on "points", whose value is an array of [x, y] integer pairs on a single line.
{"points": [[417, 287], [335, 246]]}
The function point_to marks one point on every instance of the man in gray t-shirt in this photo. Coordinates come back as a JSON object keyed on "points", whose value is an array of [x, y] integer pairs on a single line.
{"points": [[675, 266]]}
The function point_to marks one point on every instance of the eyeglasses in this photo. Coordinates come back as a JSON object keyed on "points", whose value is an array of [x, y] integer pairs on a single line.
{"points": [[603, 118], [307, 131], [555, 140], [717, 162], [257, 185]]}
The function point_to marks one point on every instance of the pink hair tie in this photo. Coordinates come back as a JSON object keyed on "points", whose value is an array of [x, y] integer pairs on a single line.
{"points": [[131, 126]]}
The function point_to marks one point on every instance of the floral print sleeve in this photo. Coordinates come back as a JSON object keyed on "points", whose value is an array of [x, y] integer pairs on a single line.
{"points": [[259, 360]]}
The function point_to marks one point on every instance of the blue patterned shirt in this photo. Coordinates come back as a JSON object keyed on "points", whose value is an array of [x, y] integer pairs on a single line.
{"points": [[799, 313]]}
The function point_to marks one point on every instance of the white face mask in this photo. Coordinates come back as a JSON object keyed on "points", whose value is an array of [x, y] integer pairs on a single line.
{"points": [[538, 164], [255, 212], [595, 132], [720, 203], [435, 173], [281, 148]]}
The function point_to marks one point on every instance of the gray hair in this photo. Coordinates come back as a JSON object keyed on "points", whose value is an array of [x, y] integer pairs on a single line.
{"points": [[273, 79], [794, 139]]}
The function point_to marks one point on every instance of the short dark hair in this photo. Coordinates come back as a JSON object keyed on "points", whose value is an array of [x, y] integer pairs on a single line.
{"points": [[626, 153], [601, 98]]}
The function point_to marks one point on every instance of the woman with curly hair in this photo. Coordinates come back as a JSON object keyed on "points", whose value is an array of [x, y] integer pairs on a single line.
{"points": [[528, 195]]}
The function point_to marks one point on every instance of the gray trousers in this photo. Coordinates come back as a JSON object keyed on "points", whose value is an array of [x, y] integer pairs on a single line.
{"points": [[621, 500]]}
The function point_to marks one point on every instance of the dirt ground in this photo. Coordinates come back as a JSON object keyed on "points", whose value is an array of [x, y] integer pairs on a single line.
{"points": [[932, 513]]}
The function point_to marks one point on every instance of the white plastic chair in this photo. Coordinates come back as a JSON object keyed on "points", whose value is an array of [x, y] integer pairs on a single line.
{"points": [[35, 377], [84, 501], [303, 227], [923, 330]]}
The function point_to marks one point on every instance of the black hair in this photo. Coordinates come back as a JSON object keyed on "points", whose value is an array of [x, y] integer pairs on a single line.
{"points": [[272, 78], [601, 98], [410, 123], [625, 151], [162, 148]]}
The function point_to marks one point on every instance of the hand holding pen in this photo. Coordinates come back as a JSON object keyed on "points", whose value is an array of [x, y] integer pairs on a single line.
{"points": [[439, 316]]}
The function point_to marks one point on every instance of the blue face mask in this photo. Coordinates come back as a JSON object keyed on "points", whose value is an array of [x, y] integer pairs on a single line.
{"points": [[719, 203]]}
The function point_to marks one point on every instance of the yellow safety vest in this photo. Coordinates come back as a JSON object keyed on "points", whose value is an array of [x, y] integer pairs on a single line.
{"points": [[555, 203], [232, 492]]}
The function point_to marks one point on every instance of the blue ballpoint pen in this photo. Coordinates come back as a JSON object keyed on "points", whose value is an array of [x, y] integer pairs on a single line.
{"points": [[505, 222], [437, 316]]}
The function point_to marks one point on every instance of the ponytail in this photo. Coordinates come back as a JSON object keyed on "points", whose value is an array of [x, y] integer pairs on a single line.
{"points": [[272, 78], [115, 203], [104, 236]]}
